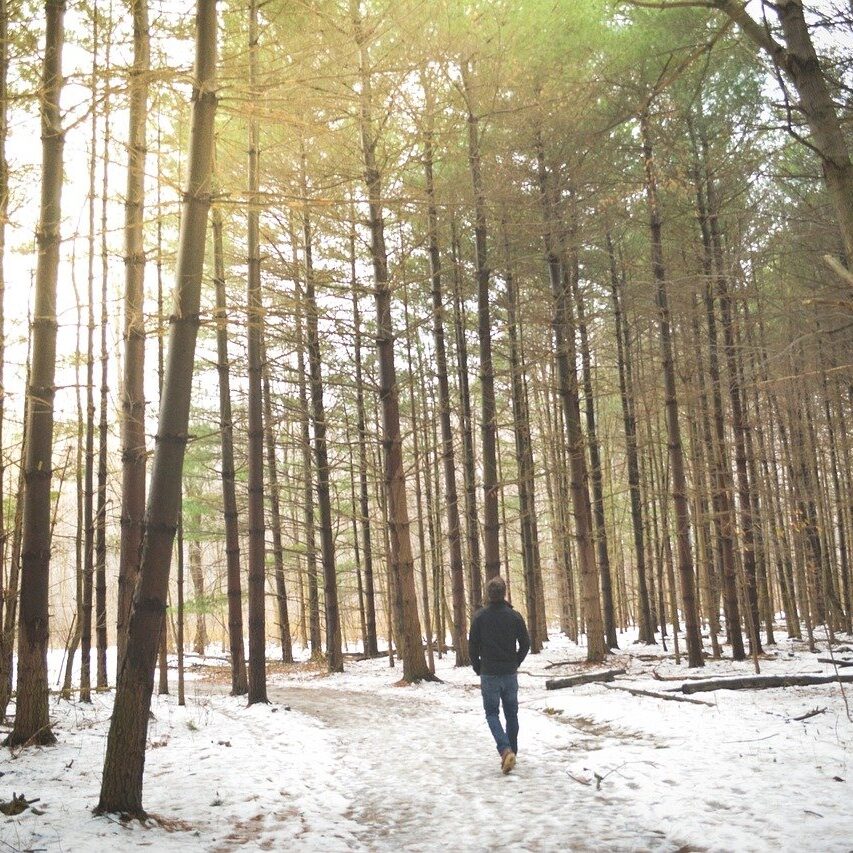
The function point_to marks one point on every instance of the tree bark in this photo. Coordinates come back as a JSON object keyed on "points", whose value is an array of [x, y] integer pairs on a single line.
{"points": [[308, 488], [401, 567], [275, 509], [572, 272], [239, 680], [100, 519], [334, 655], [451, 497], [721, 500], [563, 326], [121, 785], [524, 459], [89, 462], [676, 457], [371, 646], [646, 624], [133, 385], [472, 524], [255, 320], [32, 721], [799, 60], [488, 425]]}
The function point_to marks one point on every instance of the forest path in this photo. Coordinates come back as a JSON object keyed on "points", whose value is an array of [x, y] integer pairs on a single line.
{"points": [[420, 770]]}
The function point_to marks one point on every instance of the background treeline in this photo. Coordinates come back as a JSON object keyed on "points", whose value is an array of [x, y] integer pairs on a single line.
{"points": [[556, 290]]}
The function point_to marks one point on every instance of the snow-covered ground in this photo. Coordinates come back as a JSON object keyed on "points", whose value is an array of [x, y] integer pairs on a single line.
{"points": [[351, 762]]}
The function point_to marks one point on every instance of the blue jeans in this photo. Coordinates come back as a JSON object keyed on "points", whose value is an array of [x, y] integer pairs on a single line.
{"points": [[497, 690]]}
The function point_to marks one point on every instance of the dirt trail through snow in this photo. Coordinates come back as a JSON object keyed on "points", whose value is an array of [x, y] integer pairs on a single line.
{"points": [[422, 773]]}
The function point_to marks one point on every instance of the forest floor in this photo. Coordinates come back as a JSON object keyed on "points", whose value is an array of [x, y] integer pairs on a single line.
{"points": [[351, 762]]}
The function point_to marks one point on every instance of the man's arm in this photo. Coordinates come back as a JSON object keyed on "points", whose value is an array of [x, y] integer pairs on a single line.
{"points": [[474, 644], [523, 638]]}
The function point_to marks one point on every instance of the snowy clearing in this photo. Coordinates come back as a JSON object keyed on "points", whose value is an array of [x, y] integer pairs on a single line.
{"points": [[351, 762]]}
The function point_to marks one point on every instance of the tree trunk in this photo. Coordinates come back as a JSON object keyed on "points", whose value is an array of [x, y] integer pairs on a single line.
{"points": [[419, 463], [32, 721], [179, 630], [197, 575], [799, 60], [646, 625], [89, 466], [721, 501], [488, 425], [371, 647], [308, 485], [451, 498], [10, 621], [676, 458], [572, 272], [401, 568], [4, 214], [133, 384], [239, 681], [100, 519], [275, 509], [121, 786], [524, 460], [472, 524], [736, 401], [255, 319], [334, 655], [563, 325]]}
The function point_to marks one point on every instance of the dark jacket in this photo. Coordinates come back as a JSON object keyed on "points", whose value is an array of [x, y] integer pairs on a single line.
{"points": [[496, 630]]}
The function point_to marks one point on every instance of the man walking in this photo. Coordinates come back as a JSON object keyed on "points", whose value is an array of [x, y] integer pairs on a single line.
{"points": [[498, 642]]}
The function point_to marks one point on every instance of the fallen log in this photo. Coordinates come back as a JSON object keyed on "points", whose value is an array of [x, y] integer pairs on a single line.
{"points": [[762, 682], [671, 697], [835, 661], [582, 678]]}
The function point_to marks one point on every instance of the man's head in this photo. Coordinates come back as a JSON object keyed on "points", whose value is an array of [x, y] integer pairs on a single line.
{"points": [[496, 590]]}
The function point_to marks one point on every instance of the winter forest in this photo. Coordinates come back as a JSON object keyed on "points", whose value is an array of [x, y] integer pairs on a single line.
{"points": [[317, 315]]}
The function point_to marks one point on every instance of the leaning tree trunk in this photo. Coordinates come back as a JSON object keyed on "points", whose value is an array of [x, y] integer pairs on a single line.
{"points": [[255, 434], [488, 426], [32, 722], [239, 680], [121, 785], [799, 60], [401, 560], [673, 428], [566, 360], [133, 386]]}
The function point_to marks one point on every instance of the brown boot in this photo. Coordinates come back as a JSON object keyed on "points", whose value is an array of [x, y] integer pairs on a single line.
{"points": [[507, 760]]}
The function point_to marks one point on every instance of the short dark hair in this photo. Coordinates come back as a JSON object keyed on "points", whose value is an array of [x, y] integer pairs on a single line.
{"points": [[496, 589]]}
